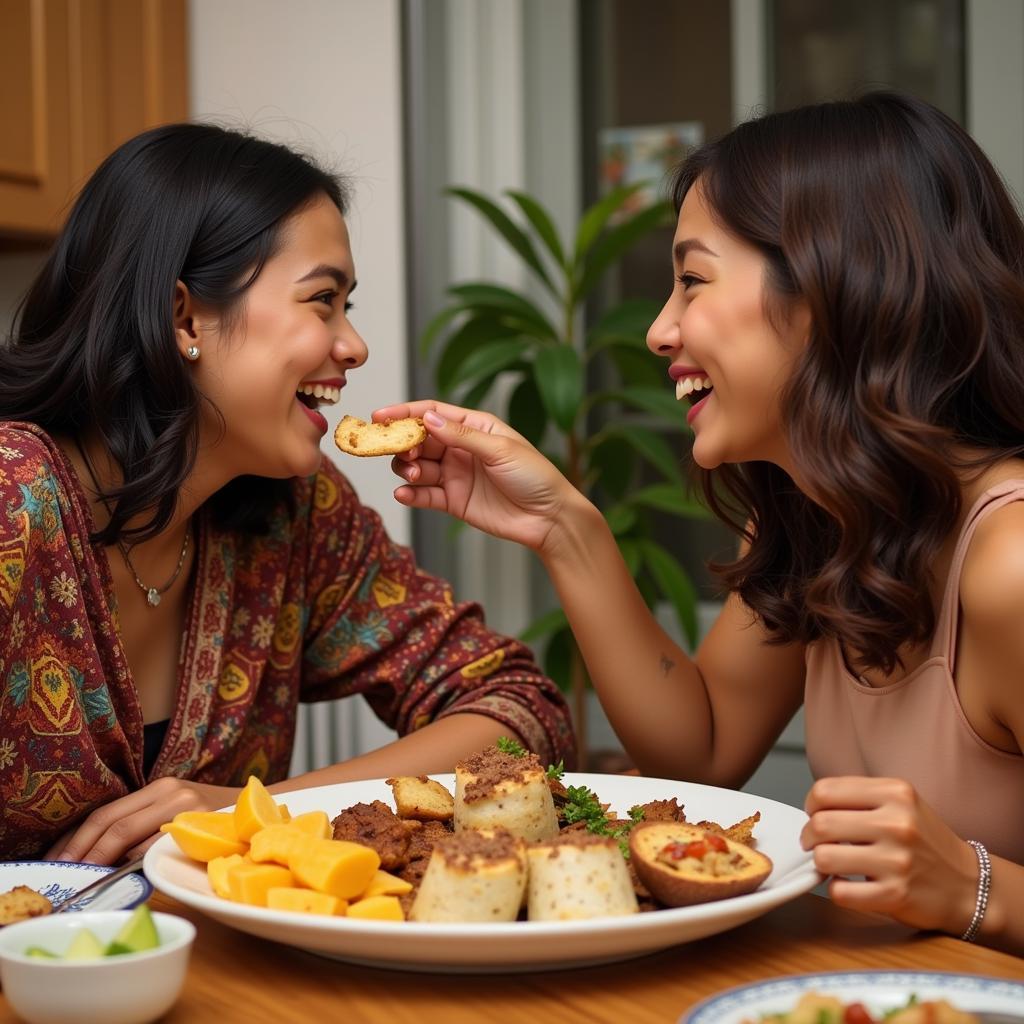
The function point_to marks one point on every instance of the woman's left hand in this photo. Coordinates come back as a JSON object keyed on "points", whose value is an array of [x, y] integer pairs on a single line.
{"points": [[125, 828], [915, 868]]}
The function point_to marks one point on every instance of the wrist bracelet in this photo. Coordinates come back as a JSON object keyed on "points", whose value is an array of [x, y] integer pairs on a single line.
{"points": [[984, 884]]}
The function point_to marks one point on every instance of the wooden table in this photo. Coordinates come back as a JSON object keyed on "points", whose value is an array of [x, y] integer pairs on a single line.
{"points": [[235, 977]]}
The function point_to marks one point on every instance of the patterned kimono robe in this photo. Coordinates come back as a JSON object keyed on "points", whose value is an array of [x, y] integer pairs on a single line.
{"points": [[324, 606]]}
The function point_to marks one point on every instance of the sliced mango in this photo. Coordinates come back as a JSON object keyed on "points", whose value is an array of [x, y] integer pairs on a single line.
{"points": [[249, 883], [286, 815], [201, 842], [377, 908], [255, 809], [275, 843], [305, 901], [333, 866], [314, 823], [217, 872], [384, 884]]}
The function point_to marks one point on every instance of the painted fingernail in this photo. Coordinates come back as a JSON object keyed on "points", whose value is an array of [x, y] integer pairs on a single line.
{"points": [[432, 419]]}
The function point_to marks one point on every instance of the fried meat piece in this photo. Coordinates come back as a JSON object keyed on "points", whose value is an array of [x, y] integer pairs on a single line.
{"points": [[422, 840], [375, 825], [662, 810], [740, 832]]}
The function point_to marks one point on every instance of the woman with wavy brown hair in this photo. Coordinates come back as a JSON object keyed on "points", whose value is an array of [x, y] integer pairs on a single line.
{"points": [[847, 325]]}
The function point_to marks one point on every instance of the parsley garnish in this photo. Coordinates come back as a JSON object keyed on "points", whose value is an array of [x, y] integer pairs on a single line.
{"points": [[507, 745], [556, 771], [581, 804]]}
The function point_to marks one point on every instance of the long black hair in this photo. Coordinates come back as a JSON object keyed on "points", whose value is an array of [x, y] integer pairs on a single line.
{"points": [[93, 344], [887, 220]]}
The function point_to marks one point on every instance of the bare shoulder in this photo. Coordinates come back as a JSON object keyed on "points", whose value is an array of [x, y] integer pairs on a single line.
{"points": [[991, 638], [992, 581]]}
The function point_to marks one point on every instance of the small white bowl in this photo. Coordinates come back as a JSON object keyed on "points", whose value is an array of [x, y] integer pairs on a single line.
{"points": [[132, 988]]}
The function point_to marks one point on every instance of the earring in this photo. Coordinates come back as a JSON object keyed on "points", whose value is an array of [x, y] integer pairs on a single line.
{"points": [[192, 353]]}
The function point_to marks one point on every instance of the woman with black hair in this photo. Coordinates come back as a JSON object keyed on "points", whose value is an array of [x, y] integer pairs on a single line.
{"points": [[847, 329], [178, 565]]}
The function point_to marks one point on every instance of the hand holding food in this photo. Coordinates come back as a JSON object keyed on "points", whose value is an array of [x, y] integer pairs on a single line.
{"points": [[479, 469]]}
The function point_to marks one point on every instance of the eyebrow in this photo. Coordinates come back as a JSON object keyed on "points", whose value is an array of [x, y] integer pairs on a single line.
{"points": [[325, 270], [687, 245]]}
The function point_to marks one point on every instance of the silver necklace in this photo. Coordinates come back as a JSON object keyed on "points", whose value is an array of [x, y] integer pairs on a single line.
{"points": [[153, 594]]}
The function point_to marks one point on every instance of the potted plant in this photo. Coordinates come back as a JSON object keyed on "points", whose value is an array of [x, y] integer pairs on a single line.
{"points": [[568, 379]]}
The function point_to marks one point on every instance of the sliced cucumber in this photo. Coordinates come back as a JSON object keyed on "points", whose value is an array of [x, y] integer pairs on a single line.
{"points": [[136, 935], [84, 946], [40, 953]]}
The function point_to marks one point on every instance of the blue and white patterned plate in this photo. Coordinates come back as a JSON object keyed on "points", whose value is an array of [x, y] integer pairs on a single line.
{"points": [[58, 879], [879, 991]]}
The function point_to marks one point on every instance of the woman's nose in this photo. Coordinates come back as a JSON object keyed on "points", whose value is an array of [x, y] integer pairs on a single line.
{"points": [[663, 337], [349, 347]]}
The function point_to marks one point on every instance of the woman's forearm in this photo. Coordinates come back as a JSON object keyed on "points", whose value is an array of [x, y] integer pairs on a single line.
{"points": [[434, 748], [1002, 927], [650, 689]]}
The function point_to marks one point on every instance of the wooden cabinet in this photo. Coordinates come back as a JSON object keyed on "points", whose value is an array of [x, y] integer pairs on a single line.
{"points": [[78, 77]]}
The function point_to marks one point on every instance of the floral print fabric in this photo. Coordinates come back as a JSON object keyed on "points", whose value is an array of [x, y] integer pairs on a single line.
{"points": [[324, 606]]}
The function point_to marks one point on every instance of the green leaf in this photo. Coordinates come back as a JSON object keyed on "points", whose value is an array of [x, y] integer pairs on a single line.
{"points": [[475, 332], [629, 548], [474, 396], [489, 360], [671, 498], [631, 317], [612, 466], [637, 369], [659, 402], [558, 658], [508, 230], [616, 242], [675, 585], [436, 325], [482, 295], [595, 217], [652, 447], [542, 223], [549, 622], [621, 519], [526, 411], [559, 376]]}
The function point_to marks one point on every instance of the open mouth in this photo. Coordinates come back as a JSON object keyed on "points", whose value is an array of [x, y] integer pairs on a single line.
{"points": [[312, 396], [693, 389]]}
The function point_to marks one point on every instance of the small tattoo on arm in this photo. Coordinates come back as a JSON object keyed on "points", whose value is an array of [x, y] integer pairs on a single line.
{"points": [[667, 664]]}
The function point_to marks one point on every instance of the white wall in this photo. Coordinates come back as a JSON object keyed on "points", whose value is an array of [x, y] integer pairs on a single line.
{"points": [[325, 76]]}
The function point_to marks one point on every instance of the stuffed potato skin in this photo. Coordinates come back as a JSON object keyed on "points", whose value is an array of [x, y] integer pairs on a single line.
{"points": [[677, 879]]}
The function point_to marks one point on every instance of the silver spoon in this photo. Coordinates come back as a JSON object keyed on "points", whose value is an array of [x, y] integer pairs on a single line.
{"points": [[94, 888]]}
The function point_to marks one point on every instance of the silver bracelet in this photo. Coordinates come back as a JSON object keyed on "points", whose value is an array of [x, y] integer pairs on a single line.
{"points": [[984, 885]]}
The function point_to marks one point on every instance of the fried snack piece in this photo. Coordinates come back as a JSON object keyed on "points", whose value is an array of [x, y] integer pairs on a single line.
{"points": [[576, 876], [357, 437], [21, 903], [473, 875], [377, 826], [421, 799], [684, 864], [496, 789], [741, 832], [662, 810]]}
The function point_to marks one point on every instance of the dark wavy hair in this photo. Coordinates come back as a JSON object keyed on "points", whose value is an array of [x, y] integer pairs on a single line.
{"points": [[887, 220], [93, 343]]}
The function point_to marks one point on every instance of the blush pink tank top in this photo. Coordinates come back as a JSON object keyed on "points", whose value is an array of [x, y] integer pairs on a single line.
{"points": [[915, 729]]}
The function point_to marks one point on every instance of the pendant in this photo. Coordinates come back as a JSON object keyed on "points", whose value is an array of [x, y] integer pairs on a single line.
{"points": [[152, 597]]}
